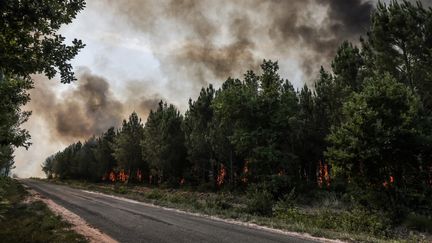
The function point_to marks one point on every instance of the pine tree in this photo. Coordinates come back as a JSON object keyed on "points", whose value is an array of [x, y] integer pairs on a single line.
{"points": [[126, 146], [163, 145], [196, 127]]}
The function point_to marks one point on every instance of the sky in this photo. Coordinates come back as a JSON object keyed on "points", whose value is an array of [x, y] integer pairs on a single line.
{"points": [[139, 52]]}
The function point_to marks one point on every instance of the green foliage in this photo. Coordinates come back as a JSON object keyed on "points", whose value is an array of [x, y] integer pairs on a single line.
{"points": [[119, 188], [78, 161], [29, 44], [286, 202], [359, 220], [346, 67], [259, 202], [399, 42], [29, 39], [14, 95], [155, 195], [6, 160], [126, 146], [85, 163], [219, 202], [355, 220], [103, 153], [229, 105], [384, 116], [163, 144], [48, 167], [255, 121], [382, 143], [380, 138], [196, 127]]}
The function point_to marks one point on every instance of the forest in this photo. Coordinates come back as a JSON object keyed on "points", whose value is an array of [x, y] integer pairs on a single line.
{"points": [[363, 129]]}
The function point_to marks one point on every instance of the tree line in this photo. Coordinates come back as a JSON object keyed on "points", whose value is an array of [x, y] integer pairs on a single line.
{"points": [[363, 128]]}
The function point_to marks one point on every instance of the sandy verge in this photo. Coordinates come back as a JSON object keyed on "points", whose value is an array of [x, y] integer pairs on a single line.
{"points": [[79, 225]]}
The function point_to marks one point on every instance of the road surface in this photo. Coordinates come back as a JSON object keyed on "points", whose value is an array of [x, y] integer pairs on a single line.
{"points": [[126, 221]]}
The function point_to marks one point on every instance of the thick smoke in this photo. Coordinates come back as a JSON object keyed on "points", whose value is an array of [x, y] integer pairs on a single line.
{"points": [[140, 99], [318, 27], [89, 108], [206, 40], [83, 109]]}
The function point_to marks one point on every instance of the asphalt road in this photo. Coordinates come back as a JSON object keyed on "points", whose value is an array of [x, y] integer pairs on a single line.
{"points": [[127, 221]]}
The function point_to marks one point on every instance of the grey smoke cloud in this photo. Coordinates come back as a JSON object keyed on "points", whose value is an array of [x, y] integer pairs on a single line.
{"points": [[87, 109], [217, 39]]}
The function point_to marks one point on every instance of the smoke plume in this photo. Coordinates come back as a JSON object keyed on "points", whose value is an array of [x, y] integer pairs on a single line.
{"points": [[86, 109], [209, 40]]}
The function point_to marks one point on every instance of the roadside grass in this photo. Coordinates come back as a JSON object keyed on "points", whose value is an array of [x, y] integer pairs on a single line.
{"points": [[22, 221], [326, 217]]}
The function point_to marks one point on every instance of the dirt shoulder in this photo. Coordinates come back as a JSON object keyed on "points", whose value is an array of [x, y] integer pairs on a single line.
{"points": [[78, 224]]}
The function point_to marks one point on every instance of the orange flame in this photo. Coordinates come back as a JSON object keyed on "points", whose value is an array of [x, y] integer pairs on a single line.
{"points": [[112, 176], [387, 184], [323, 175], [123, 177], [221, 175]]}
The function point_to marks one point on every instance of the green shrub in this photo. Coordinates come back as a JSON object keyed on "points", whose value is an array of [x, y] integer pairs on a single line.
{"points": [[286, 203], [361, 220], [121, 189], [356, 220], [177, 198], [155, 195], [331, 201], [278, 185], [259, 202], [218, 202], [291, 214]]}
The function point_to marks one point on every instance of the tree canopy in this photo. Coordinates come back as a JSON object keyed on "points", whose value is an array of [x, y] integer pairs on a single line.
{"points": [[29, 39]]}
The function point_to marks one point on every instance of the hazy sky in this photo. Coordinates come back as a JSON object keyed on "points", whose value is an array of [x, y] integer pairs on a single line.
{"points": [[139, 52]]}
